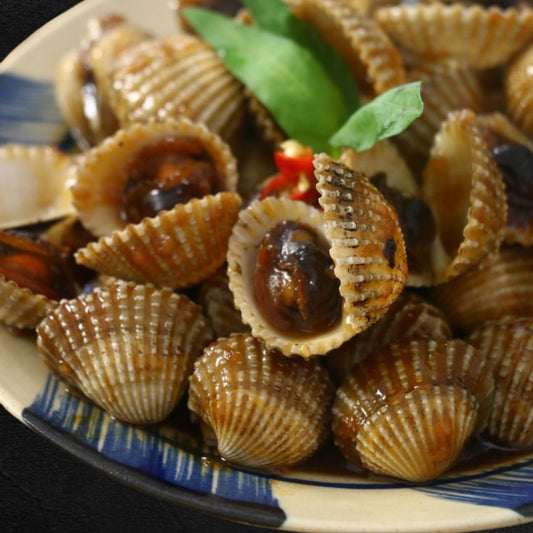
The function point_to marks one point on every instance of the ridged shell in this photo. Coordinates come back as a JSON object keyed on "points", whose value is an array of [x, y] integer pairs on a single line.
{"points": [[35, 183], [129, 348], [98, 192], [176, 249], [508, 345], [104, 40], [384, 162], [366, 242], [179, 76], [477, 36], [497, 130], [446, 86], [427, 429], [374, 61], [466, 193], [266, 410], [216, 299], [518, 90], [499, 286], [20, 308], [409, 317], [408, 410], [252, 226]]}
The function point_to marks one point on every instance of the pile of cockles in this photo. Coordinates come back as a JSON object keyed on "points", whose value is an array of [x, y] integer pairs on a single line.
{"points": [[380, 300]]}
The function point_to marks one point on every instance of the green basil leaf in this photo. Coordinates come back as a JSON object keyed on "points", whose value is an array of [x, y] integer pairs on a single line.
{"points": [[285, 77], [387, 115], [276, 17]]}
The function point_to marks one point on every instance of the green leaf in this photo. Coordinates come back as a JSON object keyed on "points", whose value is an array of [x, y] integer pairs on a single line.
{"points": [[387, 115], [285, 77], [275, 16]]}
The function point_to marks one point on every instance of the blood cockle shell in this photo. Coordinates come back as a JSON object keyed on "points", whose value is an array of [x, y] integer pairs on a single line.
{"points": [[499, 286], [513, 151], [266, 410], [408, 410], [177, 248], [477, 36], [508, 345], [35, 183], [361, 234], [20, 307], [367, 244], [174, 77], [129, 348], [103, 172], [367, 51], [254, 223], [82, 81], [466, 193]]}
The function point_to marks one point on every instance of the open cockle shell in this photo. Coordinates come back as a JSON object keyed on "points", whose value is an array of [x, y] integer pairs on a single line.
{"points": [[367, 51], [409, 317], [366, 243], [177, 248], [477, 36], [35, 183], [252, 226], [466, 193], [499, 286], [408, 410], [178, 76], [266, 410], [508, 345], [498, 130], [98, 192], [129, 348]]}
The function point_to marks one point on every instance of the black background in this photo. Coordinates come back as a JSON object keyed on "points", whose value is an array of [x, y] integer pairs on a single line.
{"points": [[43, 488]]}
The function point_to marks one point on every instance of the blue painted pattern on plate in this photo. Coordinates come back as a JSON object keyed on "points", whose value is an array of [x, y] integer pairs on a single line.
{"points": [[178, 462], [510, 487], [28, 112]]}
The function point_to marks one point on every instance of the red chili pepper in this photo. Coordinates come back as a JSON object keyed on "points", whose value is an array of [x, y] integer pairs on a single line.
{"points": [[294, 165], [292, 170]]}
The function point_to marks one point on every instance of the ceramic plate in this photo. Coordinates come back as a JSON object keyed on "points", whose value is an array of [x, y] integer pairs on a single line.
{"points": [[168, 463]]}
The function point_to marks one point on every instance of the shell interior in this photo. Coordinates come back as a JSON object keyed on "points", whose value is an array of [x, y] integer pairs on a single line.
{"points": [[35, 183]]}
